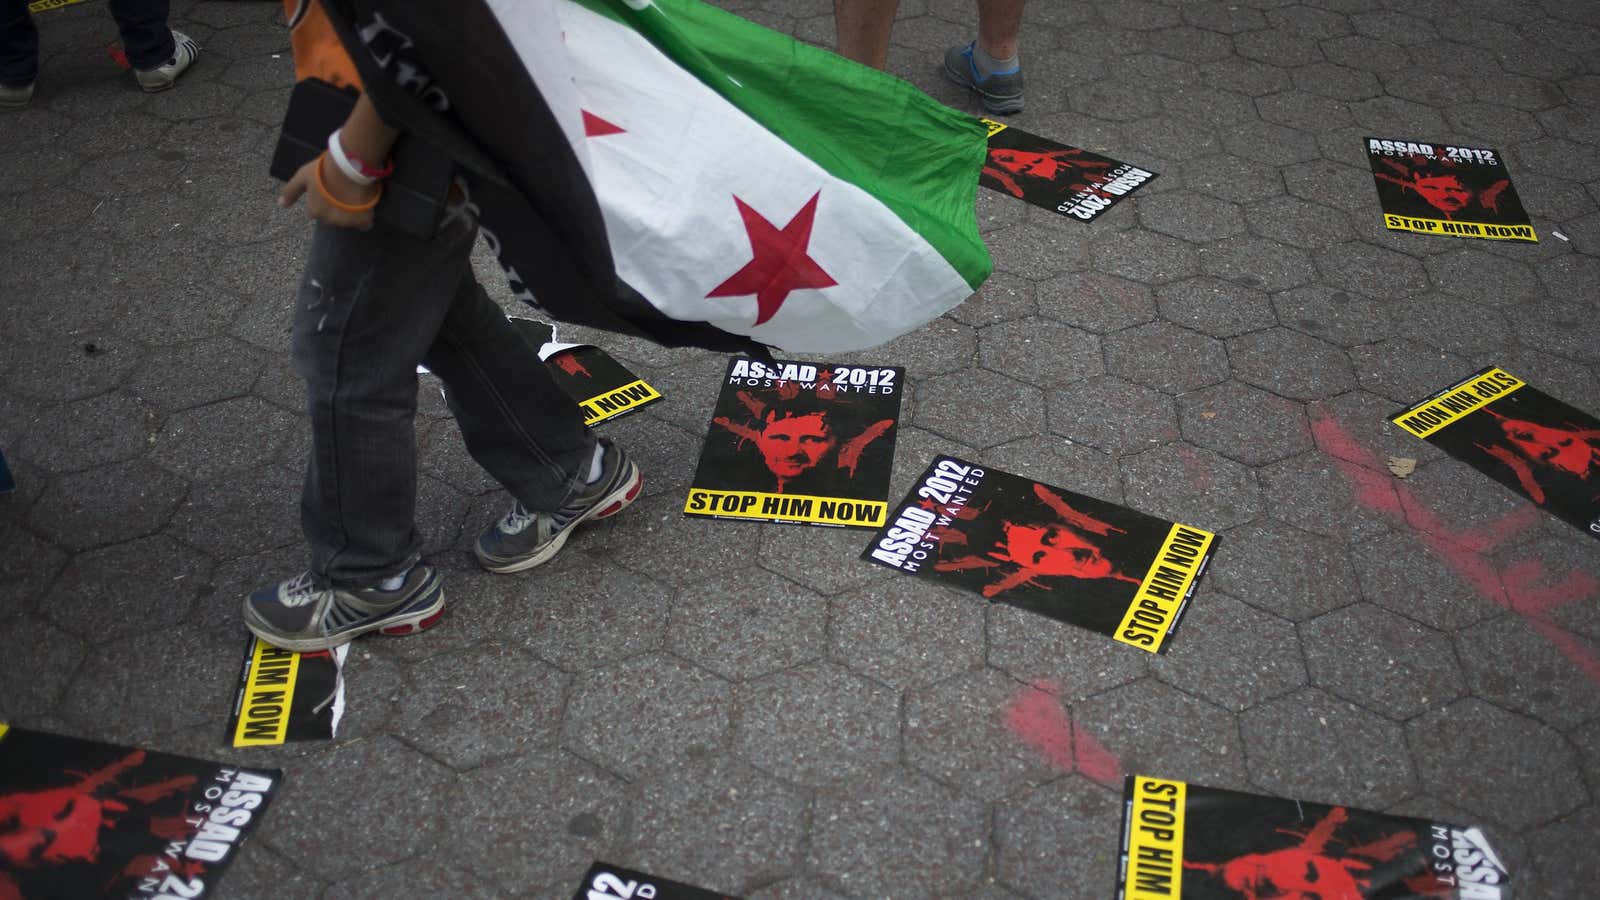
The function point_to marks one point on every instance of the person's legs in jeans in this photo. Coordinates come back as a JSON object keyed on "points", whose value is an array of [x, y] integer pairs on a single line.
{"points": [[145, 36], [19, 44]]}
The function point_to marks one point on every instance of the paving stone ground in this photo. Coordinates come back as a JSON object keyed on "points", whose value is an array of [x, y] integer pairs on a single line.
{"points": [[749, 707]]}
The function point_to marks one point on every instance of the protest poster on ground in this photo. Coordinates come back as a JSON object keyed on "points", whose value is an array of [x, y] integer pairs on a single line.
{"points": [[603, 387], [81, 818], [287, 696], [1201, 843], [1045, 549], [1432, 188], [1534, 444], [605, 881], [800, 442], [1063, 179]]}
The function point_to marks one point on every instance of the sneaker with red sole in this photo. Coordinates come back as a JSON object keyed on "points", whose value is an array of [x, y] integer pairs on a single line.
{"points": [[302, 616], [524, 539]]}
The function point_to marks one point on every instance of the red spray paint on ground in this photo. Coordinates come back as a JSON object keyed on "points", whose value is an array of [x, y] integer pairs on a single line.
{"points": [[1037, 718], [1522, 587]]}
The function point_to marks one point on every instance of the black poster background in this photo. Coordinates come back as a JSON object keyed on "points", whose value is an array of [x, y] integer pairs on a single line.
{"points": [[1490, 198], [55, 792], [1097, 604], [1056, 176], [583, 371], [1484, 440], [732, 460], [1220, 827], [310, 707], [604, 881], [7, 483]]}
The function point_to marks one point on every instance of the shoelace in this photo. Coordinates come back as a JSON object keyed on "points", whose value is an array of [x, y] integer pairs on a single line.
{"points": [[298, 592], [517, 519]]}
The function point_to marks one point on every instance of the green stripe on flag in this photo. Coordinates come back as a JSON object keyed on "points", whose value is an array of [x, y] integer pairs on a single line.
{"points": [[919, 158]]}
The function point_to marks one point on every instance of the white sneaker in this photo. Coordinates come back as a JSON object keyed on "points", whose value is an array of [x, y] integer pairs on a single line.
{"points": [[15, 97], [184, 52]]}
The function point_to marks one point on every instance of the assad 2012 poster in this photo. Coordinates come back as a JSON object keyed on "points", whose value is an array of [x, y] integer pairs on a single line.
{"points": [[1520, 436], [603, 387], [1063, 179], [1431, 188], [81, 818], [800, 442], [287, 696], [1094, 564], [605, 881], [1198, 843]]}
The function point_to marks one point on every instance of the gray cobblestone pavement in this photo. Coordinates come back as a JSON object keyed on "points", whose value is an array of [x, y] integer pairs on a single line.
{"points": [[750, 707]]}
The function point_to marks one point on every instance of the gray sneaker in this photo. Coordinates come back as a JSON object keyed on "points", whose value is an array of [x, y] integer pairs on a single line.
{"points": [[300, 616], [1000, 92], [524, 539], [184, 52], [15, 96]]}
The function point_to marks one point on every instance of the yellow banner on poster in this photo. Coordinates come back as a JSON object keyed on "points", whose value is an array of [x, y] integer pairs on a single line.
{"points": [[1456, 401], [1396, 222], [39, 6], [614, 403], [1154, 867], [786, 507], [1155, 605], [268, 693]]}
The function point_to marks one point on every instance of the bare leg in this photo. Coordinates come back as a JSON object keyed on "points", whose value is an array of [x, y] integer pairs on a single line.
{"points": [[863, 27], [999, 23]]}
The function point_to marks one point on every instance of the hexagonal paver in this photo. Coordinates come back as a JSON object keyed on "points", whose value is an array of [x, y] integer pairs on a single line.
{"points": [[1002, 298], [1249, 568], [1113, 414], [817, 725], [1191, 485], [70, 369], [241, 512], [130, 688], [1483, 277], [1231, 654], [814, 561], [647, 714], [1232, 178], [985, 735], [482, 704], [1257, 263], [940, 347], [141, 586], [1245, 76], [900, 831], [91, 432], [1041, 352], [979, 408], [1243, 423], [1558, 328], [1388, 664], [1407, 371], [107, 504], [223, 437], [1215, 307], [1031, 830], [1516, 667], [1291, 364], [904, 633], [1449, 498], [660, 542], [1338, 82], [39, 663], [1274, 145], [1166, 357], [1036, 251], [1277, 46], [1336, 316], [1144, 256], [1191, 217], [1438, 319], [195, 374], [1154, 728], [1309, 744], [1562, 869], [759, 625], [1305, 111], [719, 819], [1495, 763], [1371, 271], [553, 814], [1096, 302], [1298, 223], [1331, 498]]}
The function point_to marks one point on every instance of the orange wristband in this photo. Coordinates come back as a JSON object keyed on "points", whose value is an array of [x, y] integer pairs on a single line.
{"points": [[336, 203]]}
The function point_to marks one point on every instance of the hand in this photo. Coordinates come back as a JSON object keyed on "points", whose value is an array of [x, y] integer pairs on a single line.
{"points": [[304, 181]]}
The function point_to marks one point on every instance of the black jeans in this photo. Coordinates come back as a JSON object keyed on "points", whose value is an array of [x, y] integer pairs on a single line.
{"points": [[372, 305], [143, 24]]}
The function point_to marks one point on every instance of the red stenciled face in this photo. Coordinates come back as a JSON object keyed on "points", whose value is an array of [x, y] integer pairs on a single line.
{"points": [[1023, 162], [796, 444], [54, 826], [1445, 193], [1054, 550], [1291, 875], [1558, 447]]}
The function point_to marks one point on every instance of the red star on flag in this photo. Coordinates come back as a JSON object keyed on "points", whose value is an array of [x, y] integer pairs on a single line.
{"points": [[594, 126], [779, 264]]}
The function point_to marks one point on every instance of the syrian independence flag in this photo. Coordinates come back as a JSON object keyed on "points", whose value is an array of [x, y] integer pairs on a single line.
{"points": [[664, 168]]}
